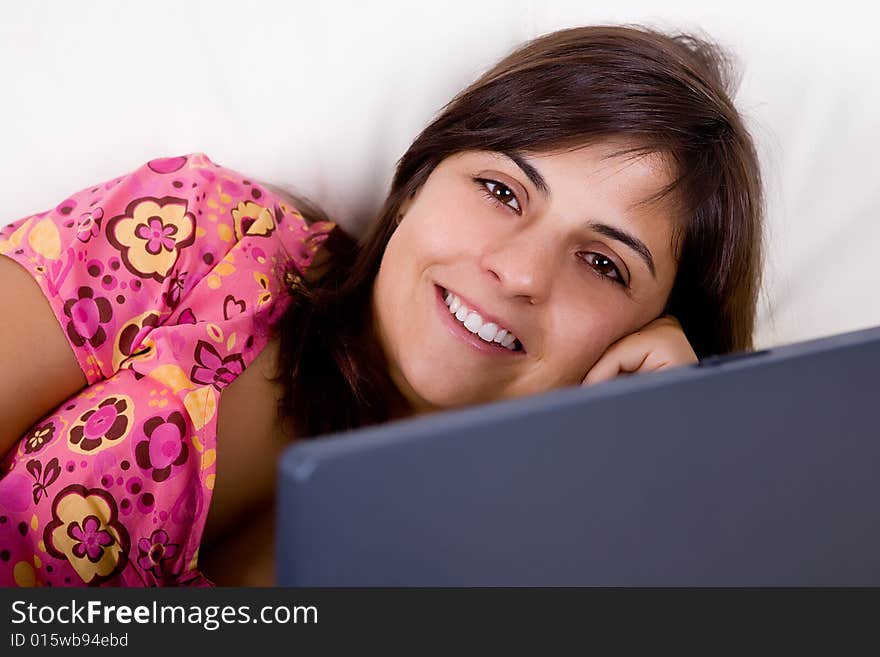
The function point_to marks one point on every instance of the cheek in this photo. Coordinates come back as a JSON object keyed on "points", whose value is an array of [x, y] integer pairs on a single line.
{"points": [[399, 290], [580, 338], [450, 227], [388, 286], [416, 243]]}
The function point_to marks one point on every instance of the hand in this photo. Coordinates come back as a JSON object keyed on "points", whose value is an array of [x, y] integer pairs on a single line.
{"points": [[659, 345]]}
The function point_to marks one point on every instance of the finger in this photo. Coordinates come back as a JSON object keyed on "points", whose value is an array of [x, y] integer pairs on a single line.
{"points": [[626, 356]]}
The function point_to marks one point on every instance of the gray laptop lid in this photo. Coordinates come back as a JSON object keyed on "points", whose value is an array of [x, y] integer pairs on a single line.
{"points": [[752, 469]]}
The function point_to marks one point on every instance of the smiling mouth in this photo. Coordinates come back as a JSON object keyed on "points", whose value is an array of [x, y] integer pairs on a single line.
{"points": [[458, 329]]}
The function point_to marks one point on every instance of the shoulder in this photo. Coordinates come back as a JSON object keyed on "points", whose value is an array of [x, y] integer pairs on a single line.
{"points": [[153, 215], [200, 201], [135, 247]]}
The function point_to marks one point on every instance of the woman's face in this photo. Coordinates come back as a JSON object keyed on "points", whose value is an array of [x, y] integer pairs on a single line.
{"points": [[554, 248]]}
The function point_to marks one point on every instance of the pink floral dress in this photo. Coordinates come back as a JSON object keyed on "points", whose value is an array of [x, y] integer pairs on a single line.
{"points": [[166, 282]]}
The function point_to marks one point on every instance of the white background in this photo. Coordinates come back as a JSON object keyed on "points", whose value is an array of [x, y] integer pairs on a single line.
{"points": [[322, 98]]}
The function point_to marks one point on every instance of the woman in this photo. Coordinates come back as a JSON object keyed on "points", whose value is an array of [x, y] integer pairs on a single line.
{"points": [[590, 206]]}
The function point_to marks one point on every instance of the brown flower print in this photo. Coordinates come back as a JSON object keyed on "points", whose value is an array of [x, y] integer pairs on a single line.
{"points": [[132, 339], [43, 477], [151, 234], [87, 315], [38, 437], [153, 552], [161, 445], [102, 426]]}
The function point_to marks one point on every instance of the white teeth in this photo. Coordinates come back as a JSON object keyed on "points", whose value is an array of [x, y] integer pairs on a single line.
{"points": [[473, 322], [489, 332]]}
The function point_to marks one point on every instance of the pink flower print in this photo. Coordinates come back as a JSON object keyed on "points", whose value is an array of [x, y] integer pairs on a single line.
{"points": [[213, 369], [87, 315], [91, 539], [157, 234], [163, 445], [89, 225], [155, 550]]}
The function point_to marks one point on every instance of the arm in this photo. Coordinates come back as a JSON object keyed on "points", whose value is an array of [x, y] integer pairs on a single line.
{"points": [[38, 370]]}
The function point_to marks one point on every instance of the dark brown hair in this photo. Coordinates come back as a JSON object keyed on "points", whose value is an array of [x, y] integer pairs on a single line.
{"points": [[664, 94]]}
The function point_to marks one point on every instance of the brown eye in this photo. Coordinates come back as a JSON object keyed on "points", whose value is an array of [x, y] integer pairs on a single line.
{"points": [[500, 193], [605, 267]]}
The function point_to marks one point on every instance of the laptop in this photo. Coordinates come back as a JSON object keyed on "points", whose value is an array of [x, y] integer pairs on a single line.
{"points": [[750, 469]]}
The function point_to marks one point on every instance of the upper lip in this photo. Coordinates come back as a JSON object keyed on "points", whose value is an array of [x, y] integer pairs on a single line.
{"points": [[488, 317]]}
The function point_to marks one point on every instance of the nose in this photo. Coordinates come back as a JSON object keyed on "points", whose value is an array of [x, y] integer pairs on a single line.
{"points": [[523, 265]]}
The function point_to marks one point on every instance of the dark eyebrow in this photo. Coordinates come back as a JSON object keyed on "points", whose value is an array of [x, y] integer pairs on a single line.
{"points": [[610, 232], [631, 241], [530, 171]]}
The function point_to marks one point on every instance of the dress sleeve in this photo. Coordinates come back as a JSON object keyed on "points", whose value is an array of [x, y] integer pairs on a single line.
{"points": [[116, 259]]}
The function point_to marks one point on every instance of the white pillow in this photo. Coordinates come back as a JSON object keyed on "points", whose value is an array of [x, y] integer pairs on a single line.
{"points": [[323, 98]]}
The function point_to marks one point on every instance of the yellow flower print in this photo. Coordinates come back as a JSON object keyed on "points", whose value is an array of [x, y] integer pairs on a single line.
{"points": [[293, 281], [266, 295], [14, 240], [45, 239], [151, 234], [85, 530], [252, 219]]}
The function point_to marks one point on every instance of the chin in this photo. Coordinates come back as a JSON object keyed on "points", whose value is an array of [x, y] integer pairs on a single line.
{"points": [[427, 391]]}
